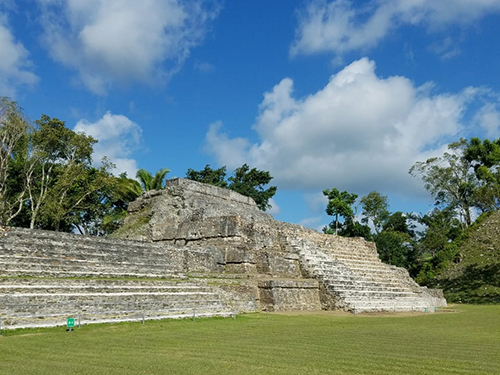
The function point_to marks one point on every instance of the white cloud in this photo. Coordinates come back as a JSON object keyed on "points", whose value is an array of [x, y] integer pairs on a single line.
{"points": [[313, 223], [225, 148], [117, 138], [15, 66], [122, 41], [203, 67], [488, 117], [316, 202], [359, 133], [340, 26], [275, 209]]}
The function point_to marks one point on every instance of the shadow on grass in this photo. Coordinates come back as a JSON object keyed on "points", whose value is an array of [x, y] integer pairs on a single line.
{"points": [[477, 285]]}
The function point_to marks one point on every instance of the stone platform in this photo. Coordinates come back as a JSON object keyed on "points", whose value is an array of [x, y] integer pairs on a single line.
{"points": [[195, 248]]}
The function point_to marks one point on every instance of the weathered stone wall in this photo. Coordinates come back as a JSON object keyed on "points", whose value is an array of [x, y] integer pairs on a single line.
{"points": [[289, 295], [194, 215], [46, 276]]}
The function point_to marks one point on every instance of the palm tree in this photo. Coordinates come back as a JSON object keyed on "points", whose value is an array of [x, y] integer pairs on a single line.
{"points": [[150, 182]]}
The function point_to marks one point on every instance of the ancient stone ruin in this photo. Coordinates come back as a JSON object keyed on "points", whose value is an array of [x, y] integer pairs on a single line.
{"points": [[195, 249]]}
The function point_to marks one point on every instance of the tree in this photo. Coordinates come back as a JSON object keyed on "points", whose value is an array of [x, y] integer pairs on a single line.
{"points": [[450, 179], [484, 157], [398, 222], [64, 178], [150, 182], [249, 182], [353, 228], [115, 202], [339, 204], [48, 150], [89, 201], [14, 129], [376, 209], [396, 243], [395, 248], [209, 176]]}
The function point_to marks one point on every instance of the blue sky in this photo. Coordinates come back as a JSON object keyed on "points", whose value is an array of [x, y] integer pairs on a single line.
{"points": [[323, 94]]}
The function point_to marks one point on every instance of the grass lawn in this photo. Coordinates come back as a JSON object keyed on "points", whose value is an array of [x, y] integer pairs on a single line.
{"points": [[466, 342]]}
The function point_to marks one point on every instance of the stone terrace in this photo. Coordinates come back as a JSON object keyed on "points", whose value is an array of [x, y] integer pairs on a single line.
{"points": [[195, 248], [47, 276]]}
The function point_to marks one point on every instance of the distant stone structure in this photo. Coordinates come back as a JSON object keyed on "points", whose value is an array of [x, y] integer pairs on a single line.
{"points": [[196, 248]]}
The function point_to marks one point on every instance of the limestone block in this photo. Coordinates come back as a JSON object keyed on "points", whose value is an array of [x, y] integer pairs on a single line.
{"points": [[239, 255], [289, 295], [278, 264], [209, 260]]}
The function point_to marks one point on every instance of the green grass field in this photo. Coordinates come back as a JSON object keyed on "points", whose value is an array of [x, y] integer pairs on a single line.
{"points": [[465, 342]]}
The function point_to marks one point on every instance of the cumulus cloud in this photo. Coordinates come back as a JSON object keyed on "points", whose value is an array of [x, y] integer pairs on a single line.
{"points": [[359, 133], [275, 209], [488, 117], [316, 201], [117, 137], [340, 26], [15, 66], [122, 41], [313, 223]]}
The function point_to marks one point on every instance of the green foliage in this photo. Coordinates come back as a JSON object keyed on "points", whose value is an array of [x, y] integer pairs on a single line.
{"points": [[114, 203], [14, 132], [49, 174], [398, 222], [339, 204], [396, 248], [209, 176], [446, 252], [249, 182], [484, 157], [450, 179], [375, 209], [150, 182], [471, 271], [353, 228]]}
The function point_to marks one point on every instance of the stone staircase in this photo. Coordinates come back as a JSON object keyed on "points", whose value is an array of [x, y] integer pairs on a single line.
{"points": [[51, 254], [359, 281], [43, 303], [46, 277]]}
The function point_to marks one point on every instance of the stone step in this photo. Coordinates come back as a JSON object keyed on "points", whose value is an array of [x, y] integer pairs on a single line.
{"points": [[340, 252], [370, 266], [28, 269], [361, 281], [375, 287], [85, 250], [112, 317], [410, 305], [340, 275], [346, 256], [367, 286], [59, 289], [70, 273], [46, 304], [372, 294], [403, 301], [52, 299], [23, 234], [30, 262], [335, 262], [28, 281], [357, 272]]}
